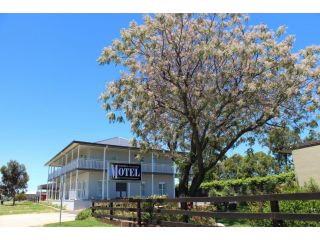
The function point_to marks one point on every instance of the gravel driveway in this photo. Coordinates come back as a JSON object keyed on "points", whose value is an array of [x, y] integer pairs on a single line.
{"points": [[34, 219]]}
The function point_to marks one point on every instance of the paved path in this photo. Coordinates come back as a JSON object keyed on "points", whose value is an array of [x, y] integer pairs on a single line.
{"points": [[34, 219]]}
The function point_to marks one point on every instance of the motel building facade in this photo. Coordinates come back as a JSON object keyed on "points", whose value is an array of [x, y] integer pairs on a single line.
{"points": [[107, 169]]}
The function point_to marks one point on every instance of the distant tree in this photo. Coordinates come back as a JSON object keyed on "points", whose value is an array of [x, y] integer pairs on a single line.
{"points": [[280, 139], [205, 83], [21, 196], [313, 135], [250, 165], [1, 193], [14, 179]]}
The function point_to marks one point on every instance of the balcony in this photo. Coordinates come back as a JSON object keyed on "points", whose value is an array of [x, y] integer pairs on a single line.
{"points": [[95, 164], [157, 168]]}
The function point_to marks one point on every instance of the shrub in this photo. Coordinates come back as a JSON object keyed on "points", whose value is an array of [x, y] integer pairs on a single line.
{"points": [[297, 206], [84, 214], [21, 197], [253, 185]]}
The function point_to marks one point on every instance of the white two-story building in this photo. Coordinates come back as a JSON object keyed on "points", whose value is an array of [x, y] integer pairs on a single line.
{"points": [[107, 169]]}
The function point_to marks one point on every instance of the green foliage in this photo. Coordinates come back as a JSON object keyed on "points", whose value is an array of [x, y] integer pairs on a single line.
{"points": [[282, 138], [297, 206], [24, 207], [158, 203], [21, 197], [14, 178], [250, 165], [84, 214], [253, 185], [181, 86]]}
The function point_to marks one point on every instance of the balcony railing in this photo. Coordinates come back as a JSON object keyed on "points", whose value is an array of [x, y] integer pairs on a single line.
{"points": [[93, 164], [157, 168]]}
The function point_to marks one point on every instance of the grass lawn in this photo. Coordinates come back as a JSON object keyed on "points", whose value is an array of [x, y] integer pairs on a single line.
{"points": [[24, 207], [89, 222]]}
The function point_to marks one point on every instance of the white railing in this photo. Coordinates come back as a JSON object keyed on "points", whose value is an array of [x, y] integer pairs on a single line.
{"points": [[98, 165], [157, 168], [90, 164]]}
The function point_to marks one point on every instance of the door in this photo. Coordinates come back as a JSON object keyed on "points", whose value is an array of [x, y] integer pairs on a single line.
{"points": [[121, 190]]}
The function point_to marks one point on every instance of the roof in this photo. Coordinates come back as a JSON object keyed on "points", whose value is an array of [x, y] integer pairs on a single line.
{"points": [[45, 186], [76, 143], [117, 141], [31, 193], [298, 146]]}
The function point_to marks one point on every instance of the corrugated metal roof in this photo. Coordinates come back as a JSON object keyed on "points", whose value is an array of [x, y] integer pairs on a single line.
{"points": [[117, 141], [298, 146]]}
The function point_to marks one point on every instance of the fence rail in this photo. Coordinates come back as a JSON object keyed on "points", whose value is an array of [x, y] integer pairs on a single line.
{"points": [[275, 215]]}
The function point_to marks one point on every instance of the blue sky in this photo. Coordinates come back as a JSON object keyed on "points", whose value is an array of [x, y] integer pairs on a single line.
{"points": [[50, 80]]}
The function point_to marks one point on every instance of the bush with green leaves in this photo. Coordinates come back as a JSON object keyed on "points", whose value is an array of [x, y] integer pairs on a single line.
{"points": [[297, 206], [253, 185], [21, 197], [84, 214]]}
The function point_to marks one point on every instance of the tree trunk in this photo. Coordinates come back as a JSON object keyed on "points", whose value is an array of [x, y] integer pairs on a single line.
{"points": [[14, 199], [195, 184], [184, 180]]}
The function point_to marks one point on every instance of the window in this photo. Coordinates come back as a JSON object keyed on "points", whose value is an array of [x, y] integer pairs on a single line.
{"points": [[99, 189], [83, 191], [121, 189], [143, 189], [162, 188]]}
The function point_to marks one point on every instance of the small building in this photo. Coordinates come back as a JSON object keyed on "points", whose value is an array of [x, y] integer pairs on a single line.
{"points": [[42, 192], [306, 160], [107, 169], [31, 195]]}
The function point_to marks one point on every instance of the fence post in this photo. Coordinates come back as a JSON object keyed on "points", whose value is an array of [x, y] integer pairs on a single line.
{"points": [[275, 208], [92, 208], [184, 206], [111, 211], [139, 212]]}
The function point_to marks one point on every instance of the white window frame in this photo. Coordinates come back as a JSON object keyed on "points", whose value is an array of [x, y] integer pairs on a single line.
{"points": [[163, 189]]}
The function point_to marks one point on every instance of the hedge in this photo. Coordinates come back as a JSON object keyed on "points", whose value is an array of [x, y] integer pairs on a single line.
{"points": [[296, 206], [253, 185]]}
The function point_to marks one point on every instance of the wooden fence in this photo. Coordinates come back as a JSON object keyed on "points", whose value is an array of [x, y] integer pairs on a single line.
{"points": [[186, 211]]}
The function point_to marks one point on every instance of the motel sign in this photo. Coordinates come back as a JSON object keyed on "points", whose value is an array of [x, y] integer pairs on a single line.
{"points": [[120, 171]]}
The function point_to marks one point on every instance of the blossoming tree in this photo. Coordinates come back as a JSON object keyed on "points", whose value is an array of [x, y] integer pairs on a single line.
{"points": [[203, 84]]}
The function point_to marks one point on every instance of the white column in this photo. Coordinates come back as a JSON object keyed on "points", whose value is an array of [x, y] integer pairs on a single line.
{"points": [[152, 177], [140, 189], [52, 180], [60, 188], [77, 173], [55, 194], [103, 171], [108, 178], [47, 192], [70, 185], [129, 190], [65, 177], [70, 188]]}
